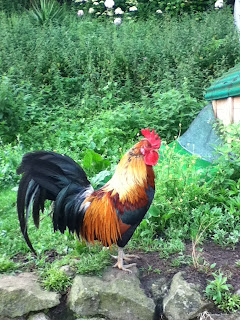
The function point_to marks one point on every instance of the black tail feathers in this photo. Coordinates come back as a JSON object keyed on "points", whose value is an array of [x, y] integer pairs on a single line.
{"points": [[48, 175]]}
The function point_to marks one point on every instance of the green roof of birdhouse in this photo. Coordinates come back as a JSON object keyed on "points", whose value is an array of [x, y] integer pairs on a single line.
{"points": [[226, 86]]}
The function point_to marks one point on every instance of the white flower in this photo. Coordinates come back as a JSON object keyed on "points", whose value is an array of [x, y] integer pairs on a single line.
{"points": [[119, 11], [95, 3], [109, 4], [218, 4], [132, 9], [159, 11], [91, 10], [117, 21], [80, 13]]}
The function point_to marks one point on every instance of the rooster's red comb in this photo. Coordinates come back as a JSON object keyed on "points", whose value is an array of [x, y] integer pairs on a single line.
{"points": [[153, 138]]}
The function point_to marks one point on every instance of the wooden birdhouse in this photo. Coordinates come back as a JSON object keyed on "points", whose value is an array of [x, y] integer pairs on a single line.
{"points": [[225, 96]]}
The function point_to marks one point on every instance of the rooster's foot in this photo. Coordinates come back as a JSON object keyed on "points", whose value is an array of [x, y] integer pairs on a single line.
{"points": [[124, 267], [121, 256]]}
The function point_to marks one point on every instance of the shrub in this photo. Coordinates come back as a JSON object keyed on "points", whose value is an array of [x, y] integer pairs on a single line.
{"points": [[13, 107], [217, 287], [188, 198], [46, 11], [10, 158], [142, 9]]}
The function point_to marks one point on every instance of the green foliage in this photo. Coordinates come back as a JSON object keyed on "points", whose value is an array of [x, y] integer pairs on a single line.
{"points": [[230, 302], [101, 178], [6, 265], [230, 153], [174, 108], [176, 7], [10, 158], [190, 198], [180, 188], [13, 107], [93, 162], [46, 11], [218, 291], [142, 9], [55, 279], [93, 263], [14, 6], [217, 287], [58, 81]]}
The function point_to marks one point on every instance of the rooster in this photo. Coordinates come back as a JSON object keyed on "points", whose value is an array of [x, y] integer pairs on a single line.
{"points": [[110, 214]]}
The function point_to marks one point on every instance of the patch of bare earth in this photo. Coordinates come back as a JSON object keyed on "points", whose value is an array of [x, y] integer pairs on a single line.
{"points": [[153, 267]]}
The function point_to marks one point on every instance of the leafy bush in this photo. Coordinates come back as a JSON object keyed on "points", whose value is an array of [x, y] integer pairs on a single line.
{"points": [[13, 107], [219, 291], [230, 302], [14, 6], [230, 150], [46, 11], [143, 9], [77, 69], [217, 287], [10, 158], [188, 198], [176, 7]]}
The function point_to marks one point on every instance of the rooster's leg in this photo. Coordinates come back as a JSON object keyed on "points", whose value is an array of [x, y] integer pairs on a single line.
{"points": [[120, 264], [126, 257]]}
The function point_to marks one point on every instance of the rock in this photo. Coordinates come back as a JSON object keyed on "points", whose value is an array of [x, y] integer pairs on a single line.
{"points": [[116, 296], [159, 288], [6, 318], [22, 293], [238, 292], [208, 316], [38, 316], [91, 319], [67, 269], [183, 301]]}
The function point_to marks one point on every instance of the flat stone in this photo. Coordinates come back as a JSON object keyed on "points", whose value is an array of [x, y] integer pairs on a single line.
{"points": [[117, 296], [22, 294]]}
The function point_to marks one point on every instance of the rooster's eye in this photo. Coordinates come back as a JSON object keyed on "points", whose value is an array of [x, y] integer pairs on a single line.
{"points": [[143, 151]]}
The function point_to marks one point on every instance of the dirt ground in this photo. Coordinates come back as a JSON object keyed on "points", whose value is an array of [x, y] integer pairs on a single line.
{"points": [[152, 266]]}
